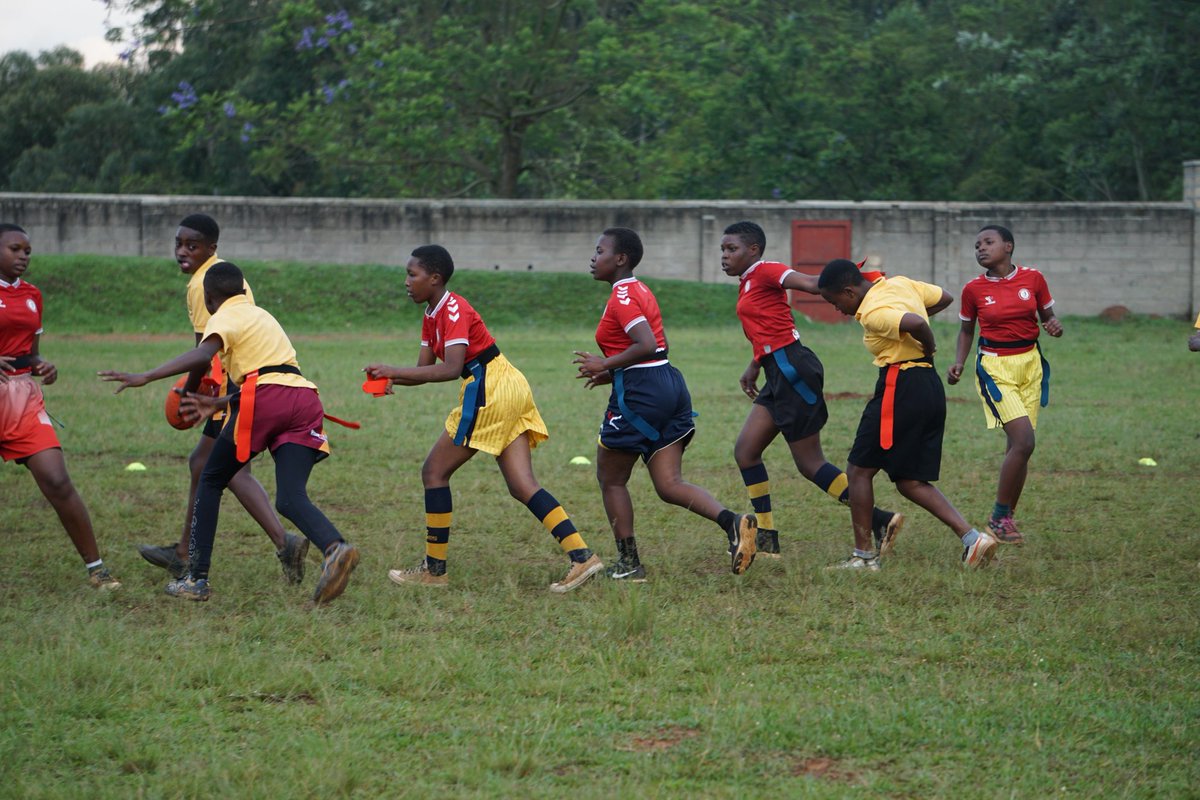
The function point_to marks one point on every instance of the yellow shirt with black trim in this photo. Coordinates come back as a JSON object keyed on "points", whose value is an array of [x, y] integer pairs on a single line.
{"points": [[197, 311], [882, 308], [252, 339]]}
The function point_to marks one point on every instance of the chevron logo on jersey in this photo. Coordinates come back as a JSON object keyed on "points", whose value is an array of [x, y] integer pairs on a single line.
{"points": [[623, 295], [452, 310]]}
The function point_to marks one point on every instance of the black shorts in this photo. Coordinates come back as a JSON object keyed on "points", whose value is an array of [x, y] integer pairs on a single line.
{"points": [[794, 416], [919, 421], [660, 397]]}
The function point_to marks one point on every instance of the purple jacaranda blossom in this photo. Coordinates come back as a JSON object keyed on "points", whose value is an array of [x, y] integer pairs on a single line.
{"points": [[185, 97], [322, 43], [163, 109], [777, 193], [341, 18], [343, 83], [230, 111], [305, 42], [247, 129], [328, 92]]}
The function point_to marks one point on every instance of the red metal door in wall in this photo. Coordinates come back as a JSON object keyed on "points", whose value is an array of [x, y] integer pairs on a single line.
{"points": [[816, 242]]}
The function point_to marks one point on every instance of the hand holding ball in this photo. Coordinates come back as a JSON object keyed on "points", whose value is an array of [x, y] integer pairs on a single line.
{"points": [[176, 420]]}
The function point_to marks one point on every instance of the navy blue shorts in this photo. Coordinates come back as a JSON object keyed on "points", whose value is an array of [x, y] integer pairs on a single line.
{"points": [[794, 416], [919, 423], [660, 397]]}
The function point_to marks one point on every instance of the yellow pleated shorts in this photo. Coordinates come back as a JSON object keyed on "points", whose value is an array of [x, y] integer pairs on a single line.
{"points": [[1019, 379], [506, 412]]}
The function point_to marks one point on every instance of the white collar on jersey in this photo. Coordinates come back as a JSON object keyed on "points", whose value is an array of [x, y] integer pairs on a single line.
{"points": [[12, 285], [750, 269], [433, 312]]}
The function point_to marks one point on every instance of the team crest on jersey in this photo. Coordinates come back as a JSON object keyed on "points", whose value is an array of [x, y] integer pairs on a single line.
{"points": [[988, 300], [1024, 294], [746, 287], [32, 305]]}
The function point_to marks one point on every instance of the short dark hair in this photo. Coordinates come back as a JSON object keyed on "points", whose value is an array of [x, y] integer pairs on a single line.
{"points": [[435, 258], [8, 227], [749, 232], [626, 242], [204, 225], [838, 274], [224, 280], [1004, 232]]}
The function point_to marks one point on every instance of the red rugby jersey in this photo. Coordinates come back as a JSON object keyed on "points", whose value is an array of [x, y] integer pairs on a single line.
{"points": [[631, 302], [454, 321], [20, 317], [1006, 308], [763, 308]]}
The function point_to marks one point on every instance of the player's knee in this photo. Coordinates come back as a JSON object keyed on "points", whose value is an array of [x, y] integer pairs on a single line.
{"points": [[288, 501]]}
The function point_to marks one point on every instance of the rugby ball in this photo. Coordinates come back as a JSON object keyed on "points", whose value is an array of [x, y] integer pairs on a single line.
{"points": [[171, 408]]}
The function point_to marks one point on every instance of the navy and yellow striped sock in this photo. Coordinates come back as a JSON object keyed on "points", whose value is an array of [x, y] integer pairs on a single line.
{"points": [[758, 486], [555, 519], [438, 509], [833, 482]]}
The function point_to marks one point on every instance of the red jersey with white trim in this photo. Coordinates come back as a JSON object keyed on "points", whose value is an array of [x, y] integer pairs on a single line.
{"points": [[20, 317], [631, 302], [1006, 308], [454, 321], [763, 308]]}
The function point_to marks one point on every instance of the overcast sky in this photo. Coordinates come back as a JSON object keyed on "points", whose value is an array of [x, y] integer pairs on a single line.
{"points": [[37, 25]]}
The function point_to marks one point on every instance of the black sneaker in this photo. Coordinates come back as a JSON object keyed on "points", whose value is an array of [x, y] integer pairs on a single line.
{"points": [[743, 542], [768, 542], [164, 557], [291, 557], [627, 570], [885, 533]]}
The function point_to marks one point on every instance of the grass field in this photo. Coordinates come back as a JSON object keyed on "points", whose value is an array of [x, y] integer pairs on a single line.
{"points": [[1068, 669]]}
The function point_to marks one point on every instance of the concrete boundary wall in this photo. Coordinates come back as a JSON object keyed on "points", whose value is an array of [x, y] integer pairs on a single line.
{"points": [[1095, 255]]}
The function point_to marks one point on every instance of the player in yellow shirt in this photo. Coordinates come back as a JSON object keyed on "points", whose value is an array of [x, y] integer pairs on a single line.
{"points": [[277, 409], [196, 251], [902, 425]]}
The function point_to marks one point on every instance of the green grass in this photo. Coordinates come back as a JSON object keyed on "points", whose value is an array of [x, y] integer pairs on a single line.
{"points": [[1068, 669]]}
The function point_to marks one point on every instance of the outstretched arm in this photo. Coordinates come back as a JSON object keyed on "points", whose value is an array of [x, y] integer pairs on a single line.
{"points": [[1050, 322], [191, 360], [427, 369], [801, 282]]}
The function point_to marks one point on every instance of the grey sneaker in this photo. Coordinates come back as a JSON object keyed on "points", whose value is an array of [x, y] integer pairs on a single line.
{"points": [[188, 589], [340, 560], [885, 535], [857, 563], [627, 570], [291, 557], [164, 557], [768, 542]]}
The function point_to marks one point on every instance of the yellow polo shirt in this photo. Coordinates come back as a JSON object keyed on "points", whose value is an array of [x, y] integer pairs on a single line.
{"points": [[882, 308], [251, 339]]}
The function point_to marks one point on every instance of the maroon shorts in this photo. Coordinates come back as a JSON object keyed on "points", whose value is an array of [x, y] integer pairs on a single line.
{"points": [[282, 415], [25, 427]]}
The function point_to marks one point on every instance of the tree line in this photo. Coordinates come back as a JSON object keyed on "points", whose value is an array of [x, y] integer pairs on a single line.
{"points": [[990, 100]]}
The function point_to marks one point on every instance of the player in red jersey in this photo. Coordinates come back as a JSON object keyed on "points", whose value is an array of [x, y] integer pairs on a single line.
{"points": [[791, 400], [649, 411], [1011, 374], [496, 414], [26, 431]]}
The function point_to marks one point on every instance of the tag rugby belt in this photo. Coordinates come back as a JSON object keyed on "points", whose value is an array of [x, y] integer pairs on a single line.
{"points": [[887, 411], [245, 418], [472, 394], [989, 387], [618, 376], [21, 363]]}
